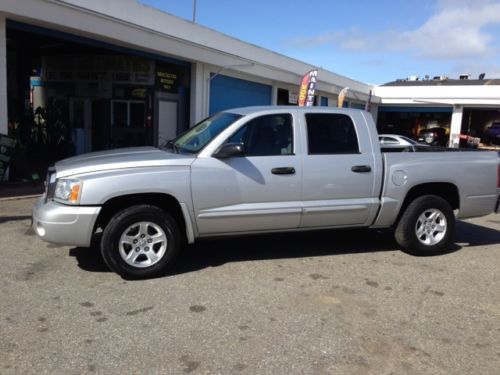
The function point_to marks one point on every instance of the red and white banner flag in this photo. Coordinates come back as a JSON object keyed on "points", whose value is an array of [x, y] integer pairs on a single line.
{"points": [[308, 88]]}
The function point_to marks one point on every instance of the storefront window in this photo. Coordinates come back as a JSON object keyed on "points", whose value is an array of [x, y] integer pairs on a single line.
{"points": [[128, 114]]}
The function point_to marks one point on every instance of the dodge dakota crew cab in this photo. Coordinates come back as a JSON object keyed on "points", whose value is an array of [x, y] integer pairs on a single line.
{"points": [[256, 170]]}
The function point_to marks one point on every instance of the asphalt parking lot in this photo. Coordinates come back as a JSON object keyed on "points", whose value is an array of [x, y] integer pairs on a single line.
{"points": [[334, 302]]}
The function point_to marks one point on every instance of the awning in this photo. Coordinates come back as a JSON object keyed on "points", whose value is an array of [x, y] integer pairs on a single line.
{"points": [[415, 109]]}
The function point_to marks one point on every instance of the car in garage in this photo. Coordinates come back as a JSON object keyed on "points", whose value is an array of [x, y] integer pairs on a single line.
{"points": [[433, 137], [492, 133], [396, 142]]}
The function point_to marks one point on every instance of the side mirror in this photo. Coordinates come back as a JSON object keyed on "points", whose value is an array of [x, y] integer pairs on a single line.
{"points": [[229, 150]]}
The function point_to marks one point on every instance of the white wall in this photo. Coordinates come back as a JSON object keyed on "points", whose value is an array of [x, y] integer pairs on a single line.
{"points": [[197, 94], [133, 25], [471, 95], [456, 125]]}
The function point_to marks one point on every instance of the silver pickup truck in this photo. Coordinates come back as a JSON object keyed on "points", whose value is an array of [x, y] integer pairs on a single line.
{"points": [[257, 170]]}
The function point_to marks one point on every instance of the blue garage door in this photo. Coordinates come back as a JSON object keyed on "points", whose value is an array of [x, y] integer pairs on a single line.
{"points": [[227, 92]]}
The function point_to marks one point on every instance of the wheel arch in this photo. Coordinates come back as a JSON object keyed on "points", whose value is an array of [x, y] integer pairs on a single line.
{"points": [[445, 190], [164, 201]]}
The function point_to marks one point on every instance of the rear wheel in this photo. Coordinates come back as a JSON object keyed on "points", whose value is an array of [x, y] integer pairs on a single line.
{"points": [[426, 227], [140, 241]]}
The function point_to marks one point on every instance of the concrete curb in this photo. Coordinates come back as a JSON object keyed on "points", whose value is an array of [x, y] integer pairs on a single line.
{"points": [[20, 197]]}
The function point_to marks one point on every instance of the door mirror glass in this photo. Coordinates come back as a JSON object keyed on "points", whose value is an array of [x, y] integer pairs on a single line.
{"points": [[229, 150]]}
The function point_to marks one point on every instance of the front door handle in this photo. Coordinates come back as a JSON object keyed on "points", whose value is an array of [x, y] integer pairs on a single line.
{"points": [[283, 170], [361, 168]]}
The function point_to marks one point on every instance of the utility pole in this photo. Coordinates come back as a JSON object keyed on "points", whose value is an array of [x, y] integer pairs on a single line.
{"points": [[194, 11]]}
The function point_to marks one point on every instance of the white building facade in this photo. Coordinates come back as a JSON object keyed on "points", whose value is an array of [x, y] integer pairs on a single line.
{"points": [[464, 107], [136, 75], [118, 73]]}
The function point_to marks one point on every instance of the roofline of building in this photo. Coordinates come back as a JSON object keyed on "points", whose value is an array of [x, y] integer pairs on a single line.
{"points": [[444, 82], [220, 49], [271, 52]]}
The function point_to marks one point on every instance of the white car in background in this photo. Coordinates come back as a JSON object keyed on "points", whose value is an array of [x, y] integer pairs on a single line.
{"points": [[397, 141]]}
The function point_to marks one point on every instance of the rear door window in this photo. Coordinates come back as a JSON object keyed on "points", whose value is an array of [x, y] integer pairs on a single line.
{"points": [[331, 133]]}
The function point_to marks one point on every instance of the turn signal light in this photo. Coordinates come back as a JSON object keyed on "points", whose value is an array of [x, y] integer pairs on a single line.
{"points": [[75, 190]]}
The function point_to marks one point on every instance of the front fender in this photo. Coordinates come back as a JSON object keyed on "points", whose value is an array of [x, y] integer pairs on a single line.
{"points": [[98, 188]]}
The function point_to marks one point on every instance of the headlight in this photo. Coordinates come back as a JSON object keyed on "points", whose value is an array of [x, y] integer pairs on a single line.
{"points": [[68, 190]]}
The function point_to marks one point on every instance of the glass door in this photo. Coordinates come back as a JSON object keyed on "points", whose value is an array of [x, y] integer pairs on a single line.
{"points": [[128, 123]]}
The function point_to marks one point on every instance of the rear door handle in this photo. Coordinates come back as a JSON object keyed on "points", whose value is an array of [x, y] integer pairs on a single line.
{"points": [[283, 170], [361, 168]]}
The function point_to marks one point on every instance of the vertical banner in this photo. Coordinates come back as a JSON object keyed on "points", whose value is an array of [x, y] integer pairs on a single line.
{"points": [[307, 88], [342, 96], [368, 105]]}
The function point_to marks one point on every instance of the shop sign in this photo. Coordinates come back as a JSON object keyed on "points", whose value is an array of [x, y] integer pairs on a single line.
{"points": [[167, 81], [138, 93], [120, 69], [293, 97], [130, 92], [102, 88]]}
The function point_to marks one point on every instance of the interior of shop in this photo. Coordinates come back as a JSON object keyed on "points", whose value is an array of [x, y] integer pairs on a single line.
{"points": [[69, 95], [411, 121], [476, 121]]}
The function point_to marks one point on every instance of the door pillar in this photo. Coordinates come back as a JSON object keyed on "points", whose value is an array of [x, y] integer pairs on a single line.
{"points": [[456, 126]]}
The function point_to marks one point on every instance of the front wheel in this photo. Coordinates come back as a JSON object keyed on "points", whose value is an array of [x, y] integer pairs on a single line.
{"points": [[140, 241], [426, 226]]}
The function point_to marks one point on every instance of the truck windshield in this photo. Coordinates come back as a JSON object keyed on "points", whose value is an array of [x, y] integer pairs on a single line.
{"points": [[194, 139]]}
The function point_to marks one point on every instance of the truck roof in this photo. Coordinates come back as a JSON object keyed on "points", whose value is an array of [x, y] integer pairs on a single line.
{"points": [[253, 109]]}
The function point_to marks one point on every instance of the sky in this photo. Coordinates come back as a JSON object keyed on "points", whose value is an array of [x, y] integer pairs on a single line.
{"points": [[369, 41]]}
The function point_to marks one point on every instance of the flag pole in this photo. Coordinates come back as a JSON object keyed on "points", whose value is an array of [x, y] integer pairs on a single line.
{"points": [[194, 11]]}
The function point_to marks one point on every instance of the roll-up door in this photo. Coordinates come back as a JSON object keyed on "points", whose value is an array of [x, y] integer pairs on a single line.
{"points": [[228, 92]]}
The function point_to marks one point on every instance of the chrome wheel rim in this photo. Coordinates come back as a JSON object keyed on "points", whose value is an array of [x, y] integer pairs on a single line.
{"points": [[143, 244], [431, 227]]}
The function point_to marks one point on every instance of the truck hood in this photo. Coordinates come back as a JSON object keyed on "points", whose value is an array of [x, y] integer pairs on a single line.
{"points": [[133, 157]]}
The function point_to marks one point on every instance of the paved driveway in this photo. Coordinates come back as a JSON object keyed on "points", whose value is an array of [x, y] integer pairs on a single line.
{"points": [[343, 302]]}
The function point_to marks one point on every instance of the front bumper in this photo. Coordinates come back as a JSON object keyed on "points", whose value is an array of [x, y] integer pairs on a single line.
{"points": [[64, 225]]}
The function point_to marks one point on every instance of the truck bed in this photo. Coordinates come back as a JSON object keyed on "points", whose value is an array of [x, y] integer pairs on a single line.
{"points": [[474, 174]]}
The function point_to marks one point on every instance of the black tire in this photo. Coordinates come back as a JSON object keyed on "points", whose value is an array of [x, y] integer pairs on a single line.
{"points": [[114, 250], [439, 240]]}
